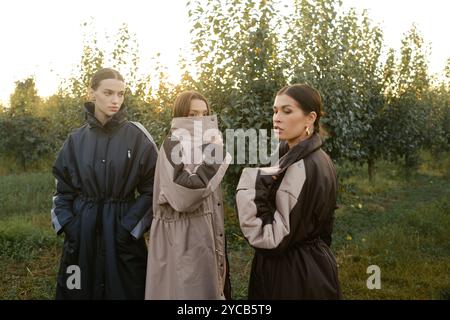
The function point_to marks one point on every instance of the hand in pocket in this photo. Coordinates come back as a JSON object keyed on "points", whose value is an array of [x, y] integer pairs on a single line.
{"points": [[122, 234], [72, 229]]}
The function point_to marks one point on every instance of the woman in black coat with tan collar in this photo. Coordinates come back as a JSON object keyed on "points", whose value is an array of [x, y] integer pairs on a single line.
{"points": [[286, 212], [98, 171]]}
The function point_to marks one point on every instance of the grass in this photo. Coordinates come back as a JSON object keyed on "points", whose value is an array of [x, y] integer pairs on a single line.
{"points": [[402, 227], [25, 194], [29, 253], [29, 249], [9, 165]]}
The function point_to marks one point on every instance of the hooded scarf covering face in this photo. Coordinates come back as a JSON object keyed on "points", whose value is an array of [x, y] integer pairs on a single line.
{"points": [[187, 255]]}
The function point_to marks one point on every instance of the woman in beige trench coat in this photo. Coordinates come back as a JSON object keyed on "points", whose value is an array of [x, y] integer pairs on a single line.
{"points": [[187, 251]]}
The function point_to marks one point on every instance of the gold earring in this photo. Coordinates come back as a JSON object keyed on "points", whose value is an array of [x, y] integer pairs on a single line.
{"points": [[307, 131]]}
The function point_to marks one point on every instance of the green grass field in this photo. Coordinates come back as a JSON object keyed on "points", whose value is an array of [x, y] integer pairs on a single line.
{"points": [[403, 227]]}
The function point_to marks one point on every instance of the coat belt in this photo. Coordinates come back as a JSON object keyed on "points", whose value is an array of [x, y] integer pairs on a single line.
{"points": [[105, 200]]}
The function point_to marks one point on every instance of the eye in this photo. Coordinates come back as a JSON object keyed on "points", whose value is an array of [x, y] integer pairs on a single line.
{"points": [[121, 94], [287, 110]]}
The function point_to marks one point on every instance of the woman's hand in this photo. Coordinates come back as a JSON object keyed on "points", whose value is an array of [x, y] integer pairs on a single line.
{"points": [[265, 197], [72, 228]]}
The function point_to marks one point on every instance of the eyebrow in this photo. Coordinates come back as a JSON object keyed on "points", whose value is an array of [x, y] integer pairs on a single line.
{"points": [[121, 91], [283, 106]]}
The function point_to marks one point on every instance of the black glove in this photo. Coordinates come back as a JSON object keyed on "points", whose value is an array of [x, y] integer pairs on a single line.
{"points": [[265, 198]]}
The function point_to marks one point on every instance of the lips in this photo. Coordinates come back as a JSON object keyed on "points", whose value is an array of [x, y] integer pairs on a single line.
{"points": [[114, 108], [277, 129]]}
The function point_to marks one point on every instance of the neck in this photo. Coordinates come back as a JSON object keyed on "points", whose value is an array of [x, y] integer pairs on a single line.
{"points": [[101, 117], [293, 142]]}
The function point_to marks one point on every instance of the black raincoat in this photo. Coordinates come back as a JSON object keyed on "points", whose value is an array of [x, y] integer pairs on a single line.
{"points": [[98, 171], [286, 212]]}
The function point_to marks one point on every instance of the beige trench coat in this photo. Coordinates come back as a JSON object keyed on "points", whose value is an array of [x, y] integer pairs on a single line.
{"points": [[186, 254]]}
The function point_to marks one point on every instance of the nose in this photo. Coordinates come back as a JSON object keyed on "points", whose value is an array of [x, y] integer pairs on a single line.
{"points": [[276, 118], [115, 99]]}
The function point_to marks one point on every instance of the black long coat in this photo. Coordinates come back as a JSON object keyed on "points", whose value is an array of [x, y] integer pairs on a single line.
{"points": [[98, 171], [286, 212]]}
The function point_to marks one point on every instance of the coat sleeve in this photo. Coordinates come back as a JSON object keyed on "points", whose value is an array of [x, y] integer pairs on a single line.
{"points": [[139, 217], [65, 193], [267, 229], [183, 187]]}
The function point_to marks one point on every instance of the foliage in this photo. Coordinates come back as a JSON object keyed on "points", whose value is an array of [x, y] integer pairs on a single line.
{"points": [[339, 55], [24, 100], [408, 108], [243, 52], [235, 45], [25, 138]]}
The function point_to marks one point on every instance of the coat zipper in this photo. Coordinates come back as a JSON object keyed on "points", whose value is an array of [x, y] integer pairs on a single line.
{"points": [[127, 169]]}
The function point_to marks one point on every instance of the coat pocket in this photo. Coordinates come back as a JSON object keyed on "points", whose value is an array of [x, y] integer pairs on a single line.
{"points": [[72, 231], [128, 164], [123, 236], [70, 251]]}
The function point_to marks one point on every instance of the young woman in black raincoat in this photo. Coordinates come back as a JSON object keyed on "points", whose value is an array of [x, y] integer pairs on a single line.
{"points": [[286, 211], [98, 171]]}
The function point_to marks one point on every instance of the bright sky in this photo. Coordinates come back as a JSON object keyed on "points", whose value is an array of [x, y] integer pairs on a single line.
{"points": [[44, 38]]}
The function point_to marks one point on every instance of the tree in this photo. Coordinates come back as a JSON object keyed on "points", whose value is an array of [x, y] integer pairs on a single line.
{"points": [[340, 56], [235, 45], [389, 76], [65, 114], [25, 138], [363, 67], [154, 106], [92, 59], [24, 100], [68, 102], [125, 56], [437, 133], [319, 49], [447, 71], [406, 114]]}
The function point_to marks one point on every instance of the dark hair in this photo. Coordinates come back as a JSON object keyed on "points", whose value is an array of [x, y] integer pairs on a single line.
{"points": [[308, 98], [182, 103], [103, 74]]}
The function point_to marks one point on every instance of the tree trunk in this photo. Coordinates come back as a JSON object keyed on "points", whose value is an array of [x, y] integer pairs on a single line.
{"points": [[24, 164], [371, 169], [407, 167]]}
